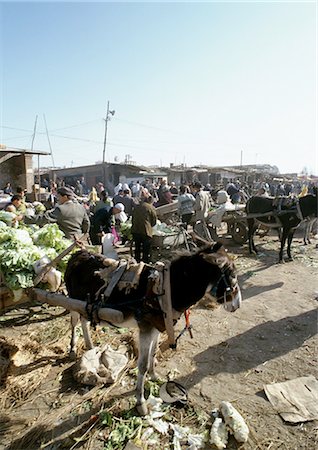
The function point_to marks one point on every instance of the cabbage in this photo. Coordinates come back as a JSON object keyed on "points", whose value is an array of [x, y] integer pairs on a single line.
{"points": [[3, 224], [31, 228], [7, 217], [162, 229], [18, 252], [48, 235], [125, 230], [39, 207], [14, 238], [19, 280]]}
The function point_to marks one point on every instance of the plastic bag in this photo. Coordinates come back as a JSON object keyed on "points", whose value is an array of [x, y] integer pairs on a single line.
{"points": [[108, 246], [115, 235]]}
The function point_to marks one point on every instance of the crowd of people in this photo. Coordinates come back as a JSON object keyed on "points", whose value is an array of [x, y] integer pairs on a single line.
{"points": [[98, 215]]}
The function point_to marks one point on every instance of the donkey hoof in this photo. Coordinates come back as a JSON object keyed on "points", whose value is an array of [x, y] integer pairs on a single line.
{"points": [[142, 409], [72, 355], [154, 377]]}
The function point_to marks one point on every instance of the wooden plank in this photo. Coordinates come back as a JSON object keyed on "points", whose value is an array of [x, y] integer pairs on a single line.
{"points": [[7, 298], [106, 314], [7, 156], [115, 277], [165, 303]]}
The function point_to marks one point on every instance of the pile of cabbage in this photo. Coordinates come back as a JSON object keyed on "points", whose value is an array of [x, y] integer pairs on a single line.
{"points": [[21, 247], [162, 229], [6, 218]]}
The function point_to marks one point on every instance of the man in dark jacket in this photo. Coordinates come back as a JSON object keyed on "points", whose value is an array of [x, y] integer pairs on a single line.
{"points": [[144, 217], [101, 222], [164, 194]]}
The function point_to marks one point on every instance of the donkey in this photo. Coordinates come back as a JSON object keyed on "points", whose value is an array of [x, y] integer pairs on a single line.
{"points": [[210, 269], [311, 226], [283, 213]]}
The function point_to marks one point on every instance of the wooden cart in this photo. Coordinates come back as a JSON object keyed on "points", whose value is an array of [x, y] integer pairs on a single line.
{"points": [[236, 226], [7, 298], [165, 213]]}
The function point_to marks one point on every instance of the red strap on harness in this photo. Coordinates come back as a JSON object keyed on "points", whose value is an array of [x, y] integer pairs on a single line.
{"points": [[188, 326], [187, 321]]}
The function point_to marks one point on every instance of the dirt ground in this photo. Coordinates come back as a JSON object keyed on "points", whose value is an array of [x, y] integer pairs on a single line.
{"points": [[272, 338]]}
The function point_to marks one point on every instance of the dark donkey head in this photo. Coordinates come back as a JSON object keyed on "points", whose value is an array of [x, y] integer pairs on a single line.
{"points": [[209, 270]]}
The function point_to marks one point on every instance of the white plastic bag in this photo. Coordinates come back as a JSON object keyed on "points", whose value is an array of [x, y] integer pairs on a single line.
{"points": [[108, 246]]}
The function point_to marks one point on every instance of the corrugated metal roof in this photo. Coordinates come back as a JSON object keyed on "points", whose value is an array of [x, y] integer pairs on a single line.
{"points": [[5, 149]]}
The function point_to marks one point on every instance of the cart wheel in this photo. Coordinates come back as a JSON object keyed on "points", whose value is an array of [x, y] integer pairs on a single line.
{"points": [[239, 232]]}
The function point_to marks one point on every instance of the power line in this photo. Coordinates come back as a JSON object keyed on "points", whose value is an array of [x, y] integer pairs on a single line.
{"points": [[17, 129], [55, 129], [147, 126], [76, 139], [77, 125], [18, 137]]}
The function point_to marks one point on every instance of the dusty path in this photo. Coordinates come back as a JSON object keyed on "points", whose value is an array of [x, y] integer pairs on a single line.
{"points": [[272, 338]]}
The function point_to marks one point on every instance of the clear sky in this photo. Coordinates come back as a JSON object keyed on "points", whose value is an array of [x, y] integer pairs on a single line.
{"points": [[193, 83]]}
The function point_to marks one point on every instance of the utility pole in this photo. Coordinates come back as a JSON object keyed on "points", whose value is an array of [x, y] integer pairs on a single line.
{"points": [[48, 138], [34, 131], [107, 118], [241, 158], [36, 192]]}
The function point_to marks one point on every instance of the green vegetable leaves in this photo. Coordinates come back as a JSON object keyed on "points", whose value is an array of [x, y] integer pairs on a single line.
{"points": [[21, 248]]}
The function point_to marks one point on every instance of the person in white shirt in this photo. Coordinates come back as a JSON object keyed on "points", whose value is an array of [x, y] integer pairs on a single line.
{"points": [[202, 202]]}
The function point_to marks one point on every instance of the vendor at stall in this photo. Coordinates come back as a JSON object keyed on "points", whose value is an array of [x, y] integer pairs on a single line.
{"points": [[14, 207], [70, 216], [101, 232]]}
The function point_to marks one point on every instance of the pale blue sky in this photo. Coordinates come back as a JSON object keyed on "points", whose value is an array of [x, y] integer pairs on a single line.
{"points": [[190, 82]]}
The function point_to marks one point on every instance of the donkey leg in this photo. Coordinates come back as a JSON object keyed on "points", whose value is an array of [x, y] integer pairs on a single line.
{"points": [[86, 333], [251, 231], [74, 321], [282, 244], [147, 338], [289, 241], [152, 366]]}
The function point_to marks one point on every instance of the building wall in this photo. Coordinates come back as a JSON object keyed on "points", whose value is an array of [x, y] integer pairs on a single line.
{"points": [[18, 170], [109, 174]]}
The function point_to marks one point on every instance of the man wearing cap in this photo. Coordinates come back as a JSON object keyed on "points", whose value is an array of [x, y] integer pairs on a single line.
{"points": [[70, 216], [101, 223]]}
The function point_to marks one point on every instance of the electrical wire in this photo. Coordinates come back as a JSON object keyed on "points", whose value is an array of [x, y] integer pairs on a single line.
{"points": [[77, 125], [146, 126], [18, 137], [17, 129]]}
